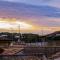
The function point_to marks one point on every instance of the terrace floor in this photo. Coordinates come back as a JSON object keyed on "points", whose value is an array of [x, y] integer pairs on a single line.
{"points": [[32, 51]]}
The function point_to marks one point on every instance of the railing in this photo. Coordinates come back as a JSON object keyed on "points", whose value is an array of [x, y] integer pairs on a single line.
{"points": [[17, 57], [40, 49]]}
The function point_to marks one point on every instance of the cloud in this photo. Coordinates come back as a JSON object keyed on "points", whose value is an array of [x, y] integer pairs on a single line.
{"points": [[54, 3], [42, 13], [10, 0], [20, 9]]}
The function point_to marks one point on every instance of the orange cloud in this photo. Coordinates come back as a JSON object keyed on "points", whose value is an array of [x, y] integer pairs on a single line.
{"points": [[30, 26]]}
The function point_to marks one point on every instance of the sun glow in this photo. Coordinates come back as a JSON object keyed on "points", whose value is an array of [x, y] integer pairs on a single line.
{"points": [[15, 25], [24, 25]]}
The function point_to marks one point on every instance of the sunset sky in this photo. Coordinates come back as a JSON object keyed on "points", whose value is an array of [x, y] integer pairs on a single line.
{"points": [[33, 16]]}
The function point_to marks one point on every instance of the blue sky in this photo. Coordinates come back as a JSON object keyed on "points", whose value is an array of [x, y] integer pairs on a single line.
{"points": [[30, 8], [54, 3]]}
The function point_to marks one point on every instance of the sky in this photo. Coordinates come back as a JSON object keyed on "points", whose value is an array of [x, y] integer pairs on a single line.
{"points": [[34, 16]]}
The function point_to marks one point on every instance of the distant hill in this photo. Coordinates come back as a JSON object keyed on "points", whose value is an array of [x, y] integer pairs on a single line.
{"points": [[53, 36], [5, 36]]}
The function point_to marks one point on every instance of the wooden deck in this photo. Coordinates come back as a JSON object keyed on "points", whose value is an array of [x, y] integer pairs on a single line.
{"points": [[11, 50], [48, 51]]}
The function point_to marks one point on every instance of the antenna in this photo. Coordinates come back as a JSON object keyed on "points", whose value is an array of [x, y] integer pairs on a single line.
{"points": [[19, 33], [42, 31], [12, 37]]}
